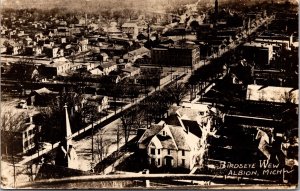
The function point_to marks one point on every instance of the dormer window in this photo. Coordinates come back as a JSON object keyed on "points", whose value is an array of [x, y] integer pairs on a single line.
{"points": [[164, 133]]}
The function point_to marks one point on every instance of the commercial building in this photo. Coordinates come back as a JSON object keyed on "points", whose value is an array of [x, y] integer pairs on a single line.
{"points": [[177, 56], [260, 53]]}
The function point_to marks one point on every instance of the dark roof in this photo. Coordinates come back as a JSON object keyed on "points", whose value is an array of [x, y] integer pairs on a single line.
{"points": [[149, 133], [172, 120], [193, 127]]}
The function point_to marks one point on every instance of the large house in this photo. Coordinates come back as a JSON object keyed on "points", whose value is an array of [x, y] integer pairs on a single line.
{"points": [[169, 146], [19, 138]]}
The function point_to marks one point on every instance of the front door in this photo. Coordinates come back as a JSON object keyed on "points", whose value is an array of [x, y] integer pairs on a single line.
{"points": [[169, 161]]}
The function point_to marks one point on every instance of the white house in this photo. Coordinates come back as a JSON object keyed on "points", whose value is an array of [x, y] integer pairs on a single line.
{"points": [[59, 66], [101, 102], [170, 146], [108, 67]]}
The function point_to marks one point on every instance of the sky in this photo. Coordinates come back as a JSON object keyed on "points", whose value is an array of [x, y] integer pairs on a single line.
{"points": [[76, 3]]}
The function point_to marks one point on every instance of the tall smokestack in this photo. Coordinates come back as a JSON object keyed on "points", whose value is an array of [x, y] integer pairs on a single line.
{"points": [[216, 10]]}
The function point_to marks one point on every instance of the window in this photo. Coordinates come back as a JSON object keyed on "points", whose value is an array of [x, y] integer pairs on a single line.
{"points": [[152, 151], [152, 161], [164, 133], [183, 162], [183, 153], [169, 151], [158, 151], [26, 144], [158, 162]]}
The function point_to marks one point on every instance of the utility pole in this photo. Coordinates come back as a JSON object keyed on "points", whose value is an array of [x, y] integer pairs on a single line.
{"points": [[92, 140], [13, 160], [118, 136]]}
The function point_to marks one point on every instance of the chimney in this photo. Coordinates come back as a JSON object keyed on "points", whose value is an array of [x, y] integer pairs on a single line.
{"points": [[187, 129], [148, 32]]}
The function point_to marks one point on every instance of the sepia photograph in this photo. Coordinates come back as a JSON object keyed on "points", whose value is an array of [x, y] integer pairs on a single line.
{"points": [[149, 94]]}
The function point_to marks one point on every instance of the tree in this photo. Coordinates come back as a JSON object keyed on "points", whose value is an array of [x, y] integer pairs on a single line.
{"points": [[177, 92], [23, 71], [90, 115], [288, 98], [132, 119], [128, 13], [10, 122], [208, 129], [127, 120]]}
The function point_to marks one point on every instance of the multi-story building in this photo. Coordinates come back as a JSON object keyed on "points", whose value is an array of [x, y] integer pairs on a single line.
{"points": [[57, 67], [20, 138], [177, 56], [260, 53], [131, 29]]}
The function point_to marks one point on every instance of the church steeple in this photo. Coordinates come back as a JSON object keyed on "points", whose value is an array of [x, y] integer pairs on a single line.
{"points": [[66, 155], [68, 127]]}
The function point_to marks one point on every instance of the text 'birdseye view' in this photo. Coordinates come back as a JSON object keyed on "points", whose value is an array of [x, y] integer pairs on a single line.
{"points": [[176, 94]]}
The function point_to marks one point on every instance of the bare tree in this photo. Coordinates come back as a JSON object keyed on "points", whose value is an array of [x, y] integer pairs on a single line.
{"points": [[90, 114], [177, 92], [288, 97], [127, 123], [10, 123], [208, 129]]}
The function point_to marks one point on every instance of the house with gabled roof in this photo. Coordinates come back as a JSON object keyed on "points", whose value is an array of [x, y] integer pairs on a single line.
{"points": [[169, 146], [41, 97], [99, 101], [135, 54]]}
